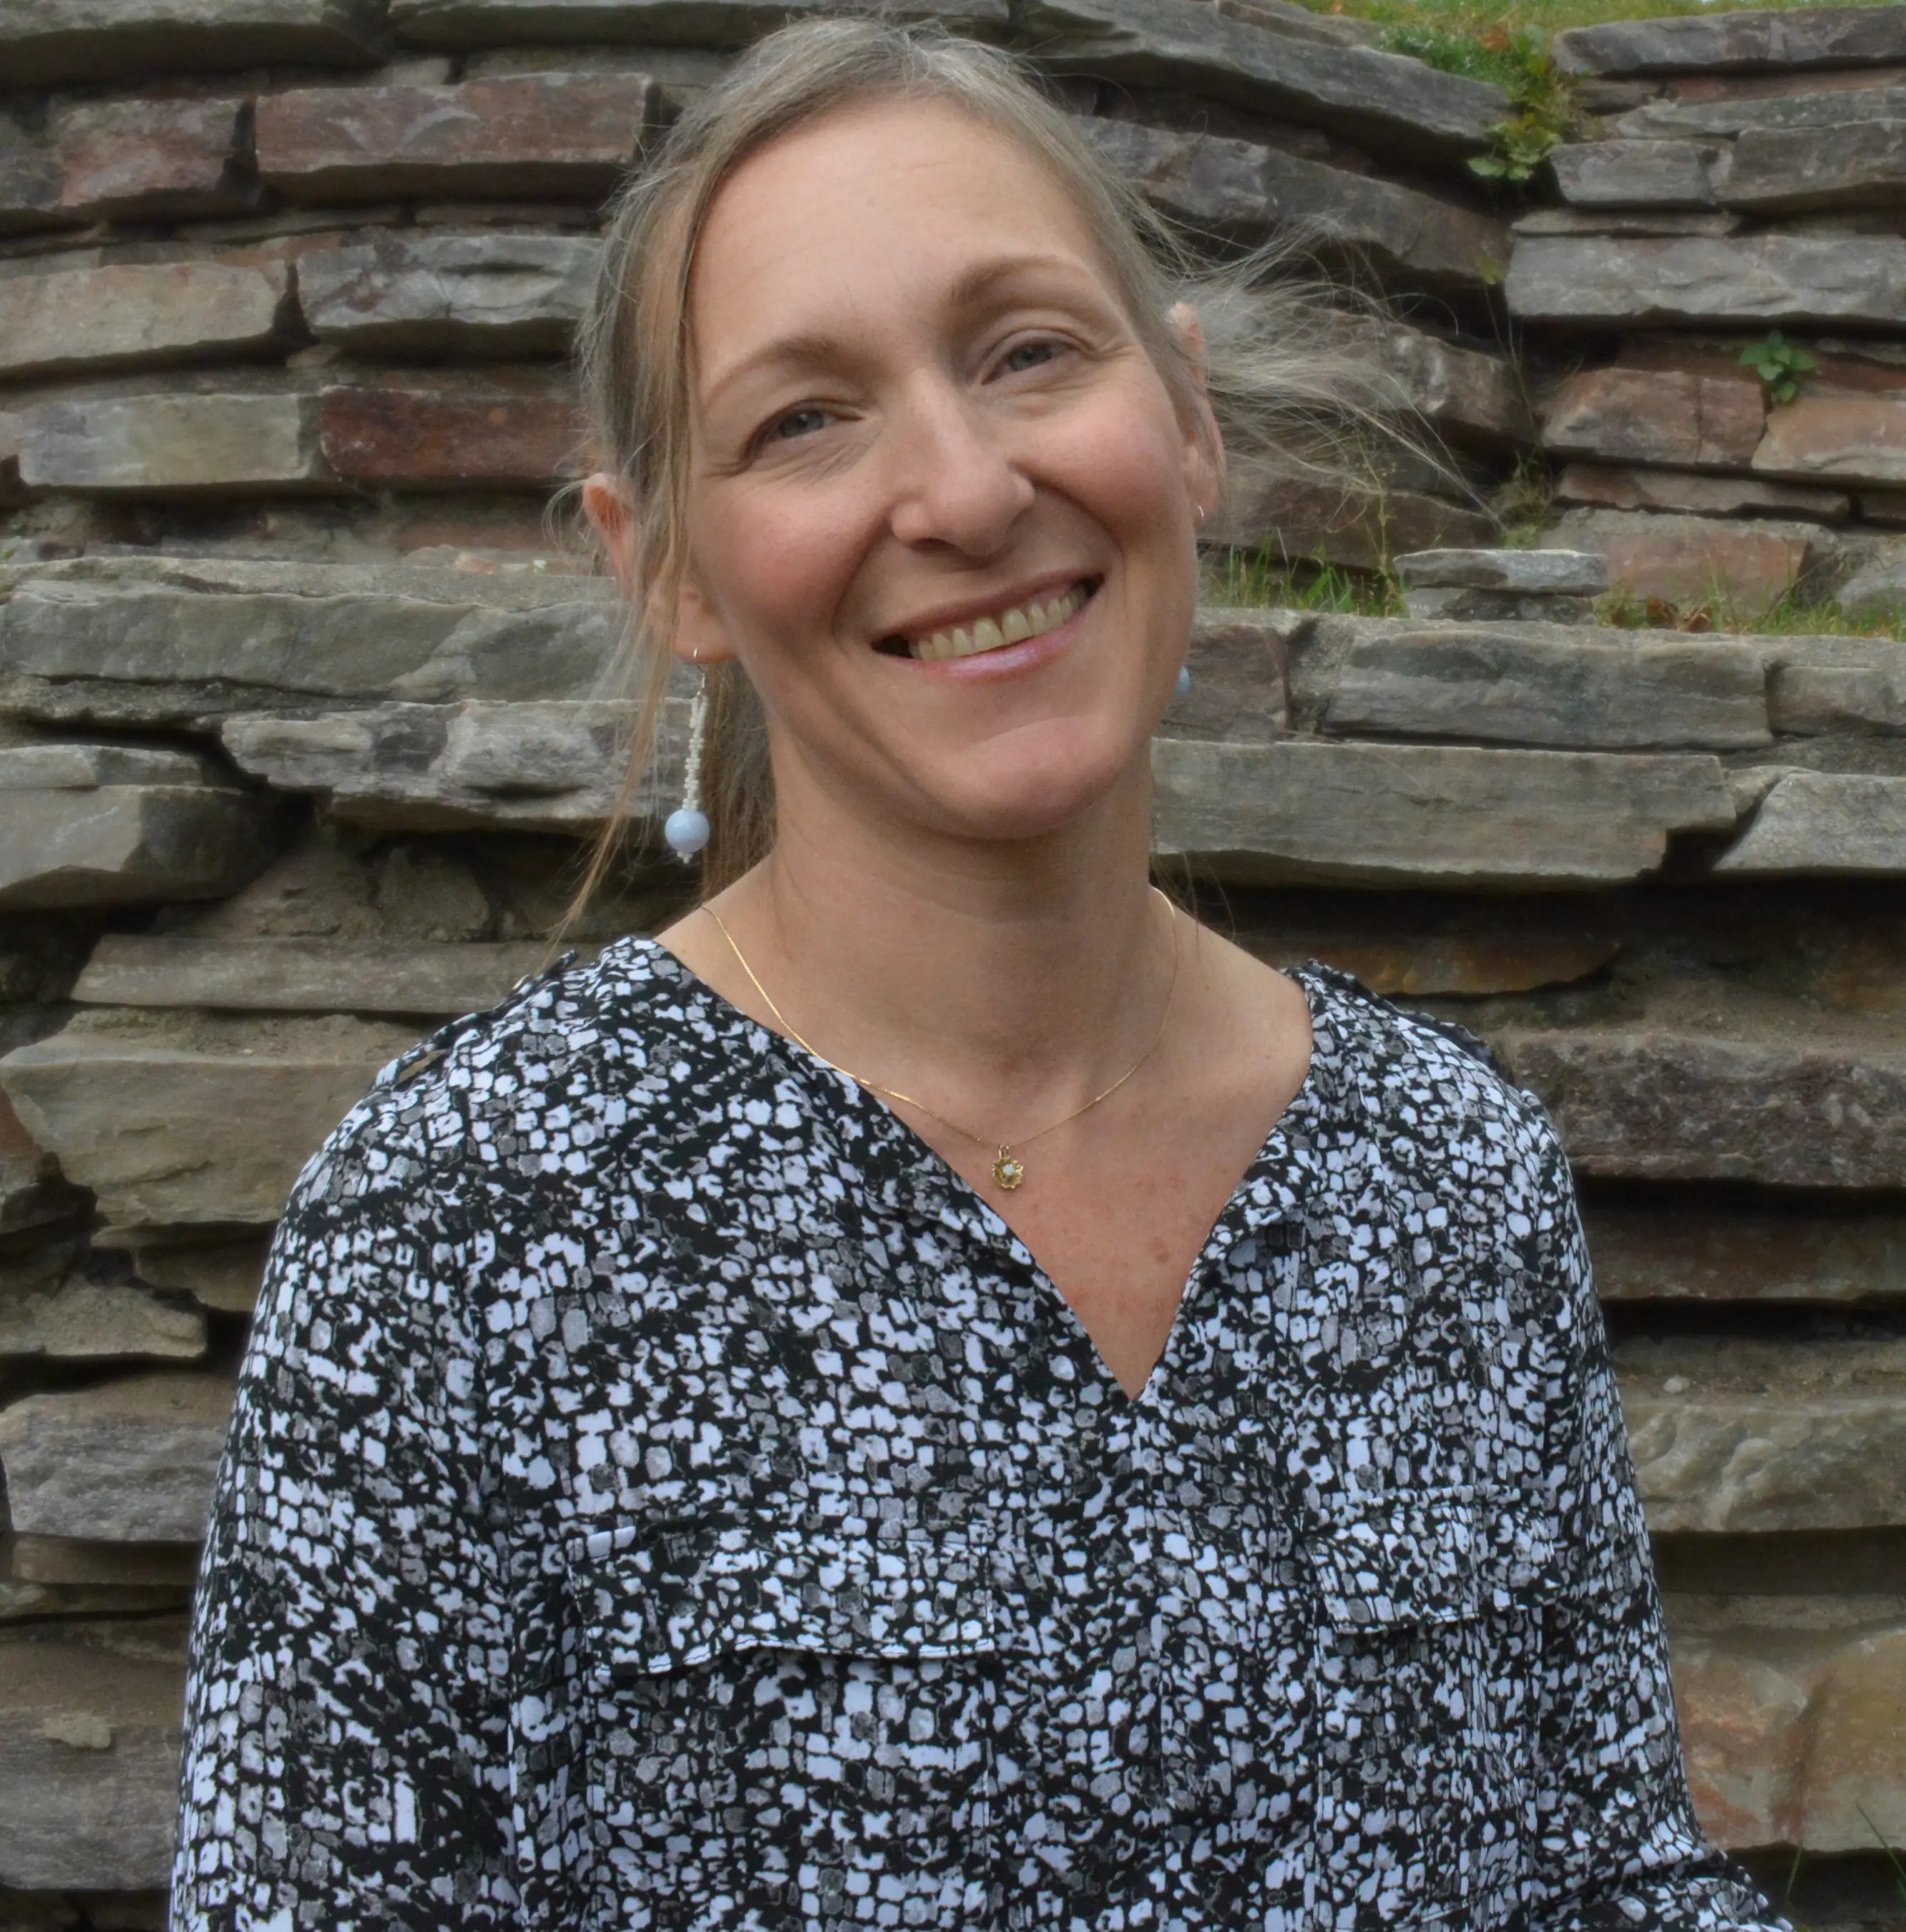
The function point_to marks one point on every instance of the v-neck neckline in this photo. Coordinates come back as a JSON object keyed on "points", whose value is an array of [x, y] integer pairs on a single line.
{"points": [[922, 1171]]}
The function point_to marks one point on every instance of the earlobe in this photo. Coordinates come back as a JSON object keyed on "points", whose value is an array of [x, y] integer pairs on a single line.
{"points": [[699, 635]]}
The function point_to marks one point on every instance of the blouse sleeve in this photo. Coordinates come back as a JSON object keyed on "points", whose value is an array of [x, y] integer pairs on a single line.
{"points": [[1619, 1849], [345, 1764]]}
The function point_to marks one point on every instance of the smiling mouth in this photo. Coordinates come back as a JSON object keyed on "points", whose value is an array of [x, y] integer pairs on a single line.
{"points": [[1012, 626]]}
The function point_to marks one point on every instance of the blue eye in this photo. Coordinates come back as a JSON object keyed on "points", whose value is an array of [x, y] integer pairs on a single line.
{"points": [[797, 423], [1031, 355]]}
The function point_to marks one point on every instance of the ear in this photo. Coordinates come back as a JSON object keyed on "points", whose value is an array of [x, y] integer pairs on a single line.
{"points": [[605, 503], [1204, 450]]}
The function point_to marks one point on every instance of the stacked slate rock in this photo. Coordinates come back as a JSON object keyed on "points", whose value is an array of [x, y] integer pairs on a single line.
{"points": [[1748, 188], [301, 736], [1536, 587]]}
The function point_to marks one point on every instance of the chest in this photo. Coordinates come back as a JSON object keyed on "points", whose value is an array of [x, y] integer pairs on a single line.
{"points": [[909, 1597]]}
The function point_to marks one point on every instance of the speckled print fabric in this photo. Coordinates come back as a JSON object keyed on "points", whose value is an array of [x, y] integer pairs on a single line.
{"points": [[662, 1495]]}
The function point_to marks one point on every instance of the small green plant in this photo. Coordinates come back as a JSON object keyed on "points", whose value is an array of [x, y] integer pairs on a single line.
{"points": [[1779, 364], [1266, 578], [1546, 115]]}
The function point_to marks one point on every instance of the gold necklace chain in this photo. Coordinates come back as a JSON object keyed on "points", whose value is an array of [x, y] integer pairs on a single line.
{"points": [[1008, 1170]]}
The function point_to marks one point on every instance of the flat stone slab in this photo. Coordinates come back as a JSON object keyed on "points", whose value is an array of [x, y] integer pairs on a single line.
{"points": [[1688, 493], [1737, 1436], [697, 23], [1682, 1253], [1249, 192], [548, 136], [90, 1735], [1742, 43], [1474, 398], [1572, 573], [96, 826], [1382, 101], [1823, 685], [1791, 1733], [304, 976], [1641, 173], [154, 160], [31, 182], [1595, 281], [1504, 687], [1440, 816], [76, 1319], [426, 434], [1837, 438], [176, 445], [523, 767], [46, 41], [131, 1461], [221, 1273], [1797, 170], [1654, 1103], [454, 295], [1741, 568], [1452, 605], [1838, 100], [1825, 824], [1303, 520], [183, 642], [173, 1118], [138, 315], [1707, 415]]}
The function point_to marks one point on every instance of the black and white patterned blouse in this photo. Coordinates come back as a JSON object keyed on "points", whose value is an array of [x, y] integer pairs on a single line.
{"points": [[661, 1494]]}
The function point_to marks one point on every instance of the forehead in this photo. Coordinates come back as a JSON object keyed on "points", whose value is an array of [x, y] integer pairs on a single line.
{"points": [[883, 201]]}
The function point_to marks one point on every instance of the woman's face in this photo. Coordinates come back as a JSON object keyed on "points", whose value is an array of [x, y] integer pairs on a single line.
{"points": [[941, 507]]}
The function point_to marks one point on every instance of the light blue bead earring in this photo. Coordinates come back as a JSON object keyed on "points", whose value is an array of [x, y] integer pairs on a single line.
{"points": [[1184, 683], [687, 829]]}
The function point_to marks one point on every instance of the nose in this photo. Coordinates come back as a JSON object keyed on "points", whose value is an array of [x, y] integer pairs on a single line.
{"points": [[956, 482]]}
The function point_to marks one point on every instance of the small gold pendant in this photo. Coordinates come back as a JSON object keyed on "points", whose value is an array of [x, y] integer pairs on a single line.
{"points": [[1007, 1171]]}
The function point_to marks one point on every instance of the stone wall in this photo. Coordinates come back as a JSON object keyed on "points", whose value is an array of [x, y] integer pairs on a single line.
{"points": [[301, 725], [1748, 178]]}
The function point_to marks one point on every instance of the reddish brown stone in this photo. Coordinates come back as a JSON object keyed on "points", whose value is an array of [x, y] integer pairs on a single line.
{"points": [[421, 439], [1695, 419], [152, 158], [1690, 493], [1305, 521], [1690, 561], [1844, 439], [546, 137]]}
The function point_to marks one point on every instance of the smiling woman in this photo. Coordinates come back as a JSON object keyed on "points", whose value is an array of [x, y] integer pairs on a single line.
{"points": [[1136, 1450]]}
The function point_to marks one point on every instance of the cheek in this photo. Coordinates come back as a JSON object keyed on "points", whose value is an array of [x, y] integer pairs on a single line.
{"points": [[781, 566], [1128, 471]]}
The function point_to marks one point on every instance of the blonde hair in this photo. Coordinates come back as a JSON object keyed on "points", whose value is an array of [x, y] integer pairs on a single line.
{"points": [[1280, 390]]}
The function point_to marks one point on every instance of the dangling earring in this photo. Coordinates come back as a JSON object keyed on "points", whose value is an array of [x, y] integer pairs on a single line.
{"points": [[1184, 683], [687, 829]]}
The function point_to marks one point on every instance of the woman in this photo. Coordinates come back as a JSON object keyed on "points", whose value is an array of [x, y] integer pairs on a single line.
{"points": [[1137, 1449]]}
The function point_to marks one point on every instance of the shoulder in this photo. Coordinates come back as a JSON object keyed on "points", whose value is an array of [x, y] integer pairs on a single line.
{"points": [[599, 1039], [1429, 1091]]}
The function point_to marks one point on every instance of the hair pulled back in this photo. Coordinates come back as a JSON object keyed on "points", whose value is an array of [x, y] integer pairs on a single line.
{"points": [[1281, 393]]}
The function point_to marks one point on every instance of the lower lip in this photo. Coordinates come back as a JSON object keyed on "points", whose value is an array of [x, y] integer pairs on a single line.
{"points": [[1010, 660]]}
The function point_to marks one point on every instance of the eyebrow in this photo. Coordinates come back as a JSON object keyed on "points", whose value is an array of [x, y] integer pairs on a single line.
{"points": [[812, 349]]}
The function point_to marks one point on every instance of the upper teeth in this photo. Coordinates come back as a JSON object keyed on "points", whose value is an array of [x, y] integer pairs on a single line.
{"points": [[1008, 627]]}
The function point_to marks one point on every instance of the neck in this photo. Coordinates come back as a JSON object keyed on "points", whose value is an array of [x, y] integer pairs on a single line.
{"points": [[1002, 981]]}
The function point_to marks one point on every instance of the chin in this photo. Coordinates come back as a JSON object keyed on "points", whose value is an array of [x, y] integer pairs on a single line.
{"points": [[1037, 800]]}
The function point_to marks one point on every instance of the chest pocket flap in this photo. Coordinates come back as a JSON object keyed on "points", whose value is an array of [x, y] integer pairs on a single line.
{"points": [[1428, 1556], [667, 1602]]}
